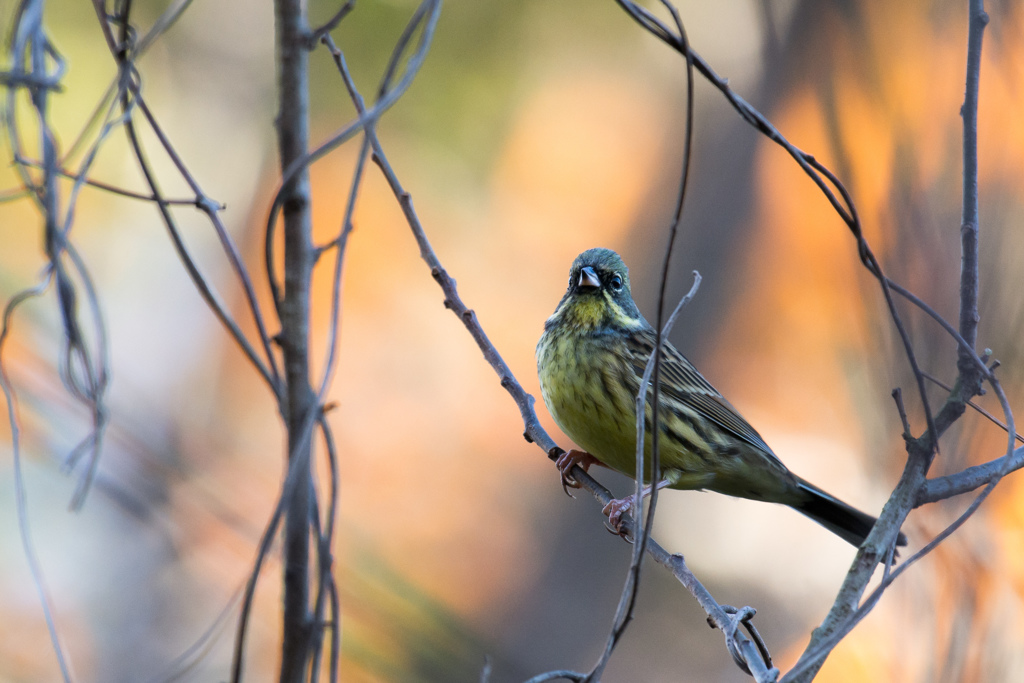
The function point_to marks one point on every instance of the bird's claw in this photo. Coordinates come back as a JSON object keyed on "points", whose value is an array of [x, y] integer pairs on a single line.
{"points": [[614, 510], [566, 461]]}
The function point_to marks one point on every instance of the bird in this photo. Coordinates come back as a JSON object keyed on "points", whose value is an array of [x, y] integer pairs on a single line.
{"points": [[590, 361]]}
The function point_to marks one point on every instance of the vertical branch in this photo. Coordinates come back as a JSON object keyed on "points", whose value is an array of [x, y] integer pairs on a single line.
{"points": [[29, 40], [848, 609], [293, 141], [642, 530], [978, 19], [659, 332]]}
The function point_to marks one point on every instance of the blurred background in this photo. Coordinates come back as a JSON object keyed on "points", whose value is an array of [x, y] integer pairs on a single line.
{"points": [[534, 131]]}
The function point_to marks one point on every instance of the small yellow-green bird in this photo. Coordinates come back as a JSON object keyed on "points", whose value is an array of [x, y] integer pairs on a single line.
{"points": [[591, 359]]}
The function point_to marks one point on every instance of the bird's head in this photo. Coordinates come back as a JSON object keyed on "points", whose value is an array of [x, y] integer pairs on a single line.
{"points": [[599, 292]]}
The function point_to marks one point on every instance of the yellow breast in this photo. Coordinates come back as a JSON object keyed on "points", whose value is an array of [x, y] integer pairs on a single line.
{"points": [[587, 385], [582, 385]]}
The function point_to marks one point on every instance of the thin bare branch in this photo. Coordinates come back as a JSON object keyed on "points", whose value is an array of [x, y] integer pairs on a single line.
{"points": [[984, 413], [210, 207], [95, 118], [164, 22], [561, 674], [829, 185], [14, 194], [198, 279], [812, 659], [741, 648], [977, 20], [341, 241], [111, 188], [335, 660], [83, 365], [652, 374], [130, 93], [324, 31], [92, 387], [325, 543], [187, 660], [21, 497], [292, 480], [421, 18], [969, 479]]}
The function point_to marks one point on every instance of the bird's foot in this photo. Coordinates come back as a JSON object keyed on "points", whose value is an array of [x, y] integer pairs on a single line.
{"points": [[565, 463], [615, 509]]}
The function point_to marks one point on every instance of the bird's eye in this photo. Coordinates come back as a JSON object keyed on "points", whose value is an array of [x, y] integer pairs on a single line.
{"points": [[616, 282]]}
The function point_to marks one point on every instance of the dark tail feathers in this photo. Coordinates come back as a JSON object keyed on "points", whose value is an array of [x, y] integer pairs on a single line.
{"points": [[847, 522]]}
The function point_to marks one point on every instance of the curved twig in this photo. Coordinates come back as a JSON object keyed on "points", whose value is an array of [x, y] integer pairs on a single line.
{"points": [[347, 132], [651, 377]]}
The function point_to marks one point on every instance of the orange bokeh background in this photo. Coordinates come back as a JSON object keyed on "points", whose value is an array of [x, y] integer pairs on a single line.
{"points": [[524, 141]]}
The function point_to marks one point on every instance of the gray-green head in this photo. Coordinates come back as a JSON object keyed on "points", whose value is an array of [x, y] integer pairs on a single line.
{"points": [[599, 289]]}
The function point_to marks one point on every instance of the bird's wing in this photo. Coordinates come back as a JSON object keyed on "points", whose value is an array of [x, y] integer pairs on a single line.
{"points": [[681, 382]]}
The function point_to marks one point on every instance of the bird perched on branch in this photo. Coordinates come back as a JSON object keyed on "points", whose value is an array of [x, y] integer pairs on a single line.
{"points": [[591, 359]]}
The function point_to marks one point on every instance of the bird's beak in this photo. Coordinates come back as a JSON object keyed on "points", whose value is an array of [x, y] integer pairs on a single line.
{"points": [[588, 279]]}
